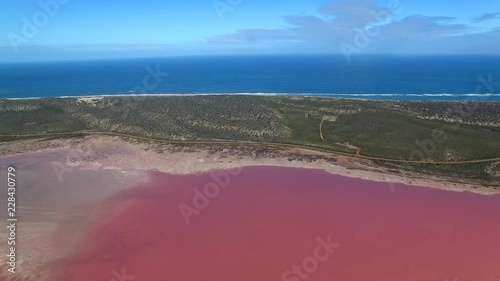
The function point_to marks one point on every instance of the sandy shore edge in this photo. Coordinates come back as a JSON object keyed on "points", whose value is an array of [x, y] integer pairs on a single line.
{"points": [[128, 155]]}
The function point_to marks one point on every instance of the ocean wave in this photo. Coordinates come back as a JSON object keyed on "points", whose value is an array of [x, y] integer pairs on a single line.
{"points": [[352, 95]]}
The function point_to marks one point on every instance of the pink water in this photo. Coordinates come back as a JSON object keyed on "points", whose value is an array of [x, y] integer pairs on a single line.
{"points": [[268, 219]]}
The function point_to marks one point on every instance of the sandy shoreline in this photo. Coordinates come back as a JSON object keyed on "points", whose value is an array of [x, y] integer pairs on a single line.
{"points": [[96, 152], [353, 96], [91, 97]]}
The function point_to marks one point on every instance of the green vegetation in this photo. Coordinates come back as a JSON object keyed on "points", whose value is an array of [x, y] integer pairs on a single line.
{"points": [[405, 130]]}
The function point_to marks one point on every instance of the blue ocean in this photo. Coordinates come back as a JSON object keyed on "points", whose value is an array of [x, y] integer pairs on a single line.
{"points": [[475, 78]]}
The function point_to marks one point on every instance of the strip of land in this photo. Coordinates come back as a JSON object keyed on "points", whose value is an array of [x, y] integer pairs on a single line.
{"points": [[243, 143], [135, 154], [440, 139]]}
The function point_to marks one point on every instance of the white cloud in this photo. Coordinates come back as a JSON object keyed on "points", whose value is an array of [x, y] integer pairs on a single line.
{"points": [[339, 21], [485, 17]]}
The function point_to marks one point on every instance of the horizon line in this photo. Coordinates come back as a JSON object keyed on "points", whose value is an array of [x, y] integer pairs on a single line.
{"points": [[252, 55]]}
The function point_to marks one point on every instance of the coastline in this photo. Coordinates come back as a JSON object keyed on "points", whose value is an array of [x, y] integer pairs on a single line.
{"points": [[125, 155], [431, 97]]}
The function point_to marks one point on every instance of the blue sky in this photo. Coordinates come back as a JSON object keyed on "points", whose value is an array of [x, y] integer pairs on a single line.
{"points": [[88, 29]]}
